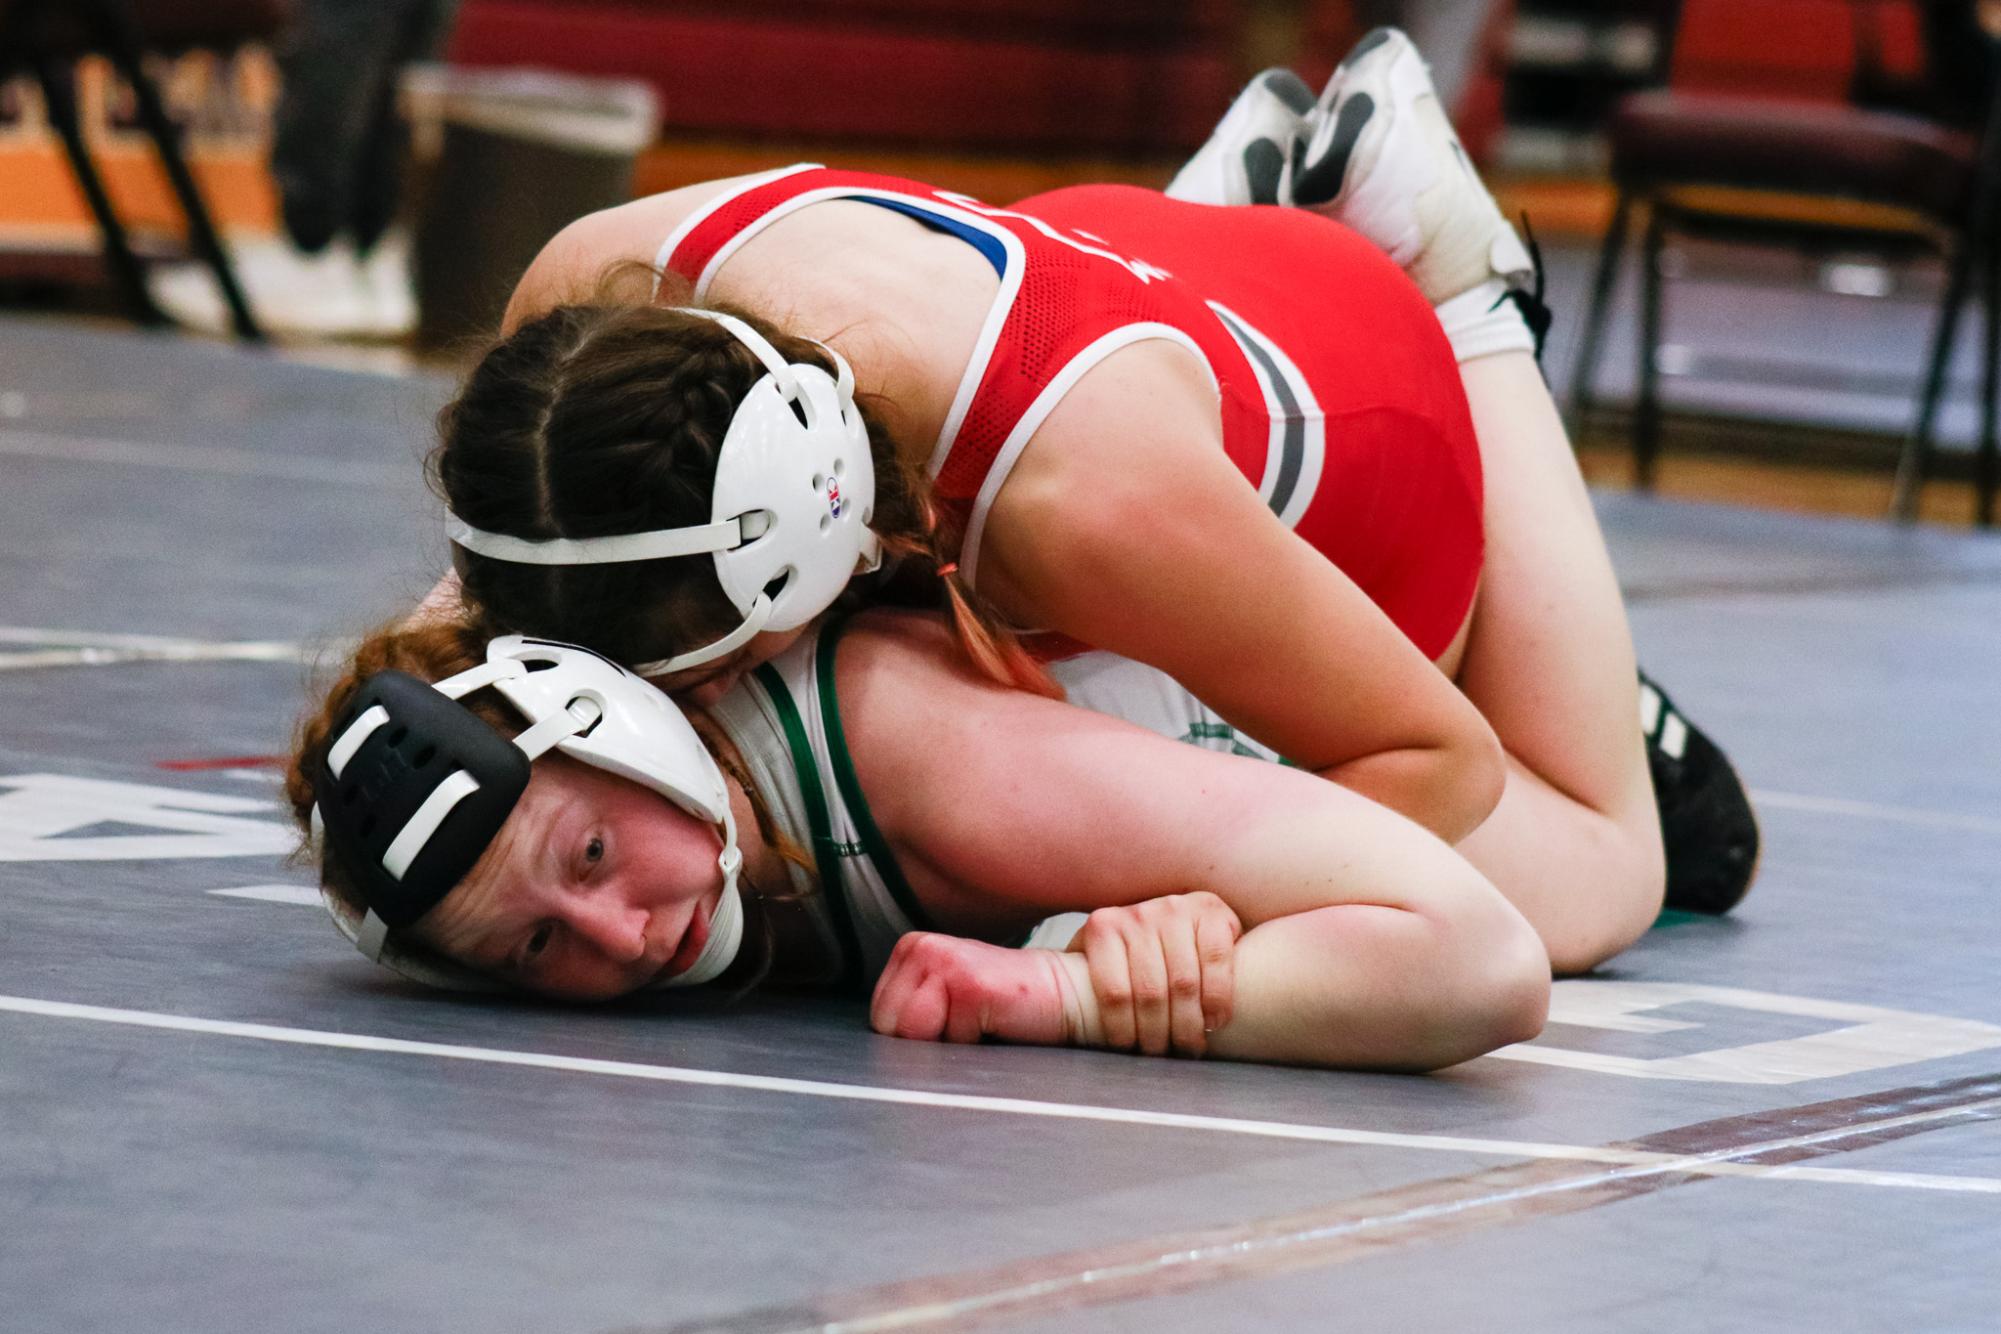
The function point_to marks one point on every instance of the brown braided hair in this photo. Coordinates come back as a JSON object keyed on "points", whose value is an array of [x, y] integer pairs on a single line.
{"points": [[606, 417]]}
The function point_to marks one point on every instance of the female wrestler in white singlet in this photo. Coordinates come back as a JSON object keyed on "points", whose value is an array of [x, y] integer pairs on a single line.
{"points": [[917, 823]]}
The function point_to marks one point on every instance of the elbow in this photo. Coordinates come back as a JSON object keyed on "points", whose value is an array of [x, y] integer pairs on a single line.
{"points": [[1473, 768], [1487, 775], [1449, 782], [1503, 996]]}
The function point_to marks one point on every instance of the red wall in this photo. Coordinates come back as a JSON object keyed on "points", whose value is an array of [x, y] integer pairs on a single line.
{"points": [[1117, 76]]}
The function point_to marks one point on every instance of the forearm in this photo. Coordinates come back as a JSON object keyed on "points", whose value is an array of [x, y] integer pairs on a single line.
{"points": [[1364, 987], [1449, 790]]}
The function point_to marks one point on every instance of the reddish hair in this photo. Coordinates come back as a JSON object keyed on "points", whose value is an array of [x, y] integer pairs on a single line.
{"points": [[432, 651]]}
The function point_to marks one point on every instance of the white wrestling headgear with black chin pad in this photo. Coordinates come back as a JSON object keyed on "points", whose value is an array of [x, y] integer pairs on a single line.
{"points": [[794, 494], [414, 787]]}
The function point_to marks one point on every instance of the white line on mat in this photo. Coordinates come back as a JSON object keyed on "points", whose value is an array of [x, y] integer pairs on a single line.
{"points": [[1709, 1164], [1870, 810], [91, 648], [208, 459]]}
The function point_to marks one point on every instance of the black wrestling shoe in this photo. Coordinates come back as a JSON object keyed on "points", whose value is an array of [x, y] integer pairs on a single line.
{"points": [[1707, 825]]}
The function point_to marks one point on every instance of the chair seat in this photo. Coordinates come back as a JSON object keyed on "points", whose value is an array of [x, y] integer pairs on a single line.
{"points": [[1665, 138]]}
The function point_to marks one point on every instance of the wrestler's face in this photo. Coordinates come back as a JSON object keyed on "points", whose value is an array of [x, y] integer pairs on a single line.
{"points": [[703, 685], [595, 886]]}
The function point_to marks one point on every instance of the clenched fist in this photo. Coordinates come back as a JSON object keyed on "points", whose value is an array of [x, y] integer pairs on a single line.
{"points": [[943, 988]]}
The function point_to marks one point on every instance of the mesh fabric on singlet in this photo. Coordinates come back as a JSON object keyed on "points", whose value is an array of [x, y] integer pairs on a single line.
{"points": [[1058, 294]]}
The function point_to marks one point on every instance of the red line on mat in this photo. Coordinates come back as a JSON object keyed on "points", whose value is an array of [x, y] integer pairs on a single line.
{"points": [[221, 762]]}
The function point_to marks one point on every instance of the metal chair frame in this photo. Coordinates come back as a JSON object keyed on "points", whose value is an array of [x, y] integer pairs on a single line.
{"points": [[1969, 251], [115, 32]]}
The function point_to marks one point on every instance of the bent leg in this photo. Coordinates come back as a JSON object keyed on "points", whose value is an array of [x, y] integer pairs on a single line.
{"points": [[1575, 842]]}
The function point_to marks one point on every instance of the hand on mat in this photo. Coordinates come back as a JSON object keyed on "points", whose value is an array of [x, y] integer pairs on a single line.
{"points": [[943, 988], [1163, 970]]}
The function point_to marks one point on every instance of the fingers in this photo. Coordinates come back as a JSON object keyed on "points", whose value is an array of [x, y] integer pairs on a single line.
{"points": [[1146, 960], [910, 999], [1216, 944], [1186, 1021], [886, 1005], [942, 988], [1105, 952], [1164, 971], [965, 1012], [928, 1014]]}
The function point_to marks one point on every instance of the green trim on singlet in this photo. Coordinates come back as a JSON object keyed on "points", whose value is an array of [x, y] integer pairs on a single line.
{"points": [[1198, 732], [826, 852], [1222, 732], [850, 785]]}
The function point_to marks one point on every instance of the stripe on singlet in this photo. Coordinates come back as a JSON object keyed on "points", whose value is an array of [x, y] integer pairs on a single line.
{"points": [[850, 784], [1293, 450], [826, 852], [986, 244], [1296, 451]]}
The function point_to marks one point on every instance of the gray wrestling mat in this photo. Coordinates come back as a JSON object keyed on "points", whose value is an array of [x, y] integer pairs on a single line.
{"points": [[215, 1116]]}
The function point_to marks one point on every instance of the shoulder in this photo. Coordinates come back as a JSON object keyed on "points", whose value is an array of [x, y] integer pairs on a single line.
{"points": [[1155, 381], [906, 694], [575, 262], [1135, 447], [885, 655], [1142, 416], [1010, 801]]}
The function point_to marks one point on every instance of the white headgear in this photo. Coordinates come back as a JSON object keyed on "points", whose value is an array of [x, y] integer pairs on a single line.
{"points": [[415, 786], [794, 495]]}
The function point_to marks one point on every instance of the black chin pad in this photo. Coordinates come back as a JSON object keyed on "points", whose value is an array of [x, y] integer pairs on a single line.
{"points": [[427, 739]]}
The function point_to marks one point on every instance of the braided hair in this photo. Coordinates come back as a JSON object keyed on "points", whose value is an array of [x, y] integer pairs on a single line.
{"points": [[604, 418]]}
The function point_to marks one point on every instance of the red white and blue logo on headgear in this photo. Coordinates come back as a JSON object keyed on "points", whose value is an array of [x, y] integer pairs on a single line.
{"points": [[834, 496]]}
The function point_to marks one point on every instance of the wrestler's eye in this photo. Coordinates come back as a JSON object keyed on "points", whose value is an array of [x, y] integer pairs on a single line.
{"points": [[538, 942], [594, 850]]}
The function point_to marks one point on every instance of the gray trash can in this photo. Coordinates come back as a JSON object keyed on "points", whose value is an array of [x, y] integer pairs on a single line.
{"points": [[514, 156]]}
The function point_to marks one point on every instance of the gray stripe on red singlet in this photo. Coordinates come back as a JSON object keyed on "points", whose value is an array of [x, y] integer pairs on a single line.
{"points": [[1292, 450]]}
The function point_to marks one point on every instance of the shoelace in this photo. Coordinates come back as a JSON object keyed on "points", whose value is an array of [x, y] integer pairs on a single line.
{"points": [[1535, 311]]}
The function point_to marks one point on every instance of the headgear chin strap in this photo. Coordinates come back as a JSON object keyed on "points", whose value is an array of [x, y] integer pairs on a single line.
{"points": [[414, 786], [794, 494]]}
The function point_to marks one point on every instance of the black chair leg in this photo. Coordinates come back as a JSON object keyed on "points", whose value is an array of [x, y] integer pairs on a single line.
{"points": [[1915, 460], [126, 50], [1987, 468], [1647, 408], [57, 80], [1603, 283]]}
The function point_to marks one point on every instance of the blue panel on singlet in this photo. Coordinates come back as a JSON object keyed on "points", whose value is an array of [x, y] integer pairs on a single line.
{"points": [[990, 246]]}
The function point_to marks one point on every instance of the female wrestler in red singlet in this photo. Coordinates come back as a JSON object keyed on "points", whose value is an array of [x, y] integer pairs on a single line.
{"points": [[1230, 442]]}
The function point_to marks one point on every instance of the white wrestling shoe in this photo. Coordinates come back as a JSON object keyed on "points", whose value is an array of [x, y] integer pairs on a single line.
{"points": [[1244, 158], [1380, 155]]}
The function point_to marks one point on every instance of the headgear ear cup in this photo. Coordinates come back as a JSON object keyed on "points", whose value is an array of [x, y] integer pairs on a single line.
{"points": [[814, 535], [793, 498], [408, 831]]}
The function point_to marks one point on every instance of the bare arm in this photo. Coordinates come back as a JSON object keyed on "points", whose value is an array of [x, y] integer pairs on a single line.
{"points": [[1189, 571], [1369, 942]]}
